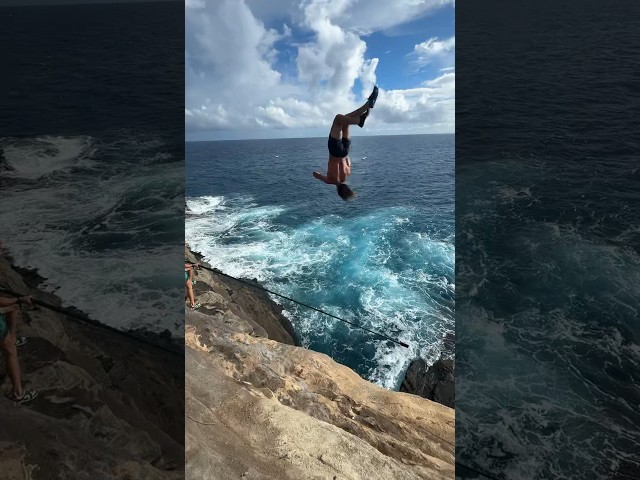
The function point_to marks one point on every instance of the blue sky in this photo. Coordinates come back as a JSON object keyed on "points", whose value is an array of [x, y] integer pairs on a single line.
{"points": [[284, 68]]}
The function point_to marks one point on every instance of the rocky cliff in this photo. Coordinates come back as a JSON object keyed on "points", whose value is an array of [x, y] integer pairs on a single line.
{"points": [[259, 407], [108, 406], [435, 382]]}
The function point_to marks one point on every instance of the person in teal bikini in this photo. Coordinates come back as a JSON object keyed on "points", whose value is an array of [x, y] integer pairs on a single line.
{"points": [[188, 281], [9, 308]]}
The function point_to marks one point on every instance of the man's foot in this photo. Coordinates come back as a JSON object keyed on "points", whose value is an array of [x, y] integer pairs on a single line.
{"points": [[20, 341], [27, 396], [373, 97], [196, 306], [363, 117]]}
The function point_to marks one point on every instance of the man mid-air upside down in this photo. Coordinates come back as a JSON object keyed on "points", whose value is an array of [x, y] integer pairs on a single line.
{"points": [[339, 167]]}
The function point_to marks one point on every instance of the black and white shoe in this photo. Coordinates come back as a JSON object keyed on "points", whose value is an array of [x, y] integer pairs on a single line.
{"points": [[27, 396], [373, 97], [363, 117]]}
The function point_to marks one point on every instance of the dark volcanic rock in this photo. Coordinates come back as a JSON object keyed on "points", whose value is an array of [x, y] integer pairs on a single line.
{"points": [[436, 382]]}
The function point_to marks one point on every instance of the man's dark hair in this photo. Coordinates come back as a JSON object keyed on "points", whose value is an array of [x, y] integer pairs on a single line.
{"points": [[345, 192]]}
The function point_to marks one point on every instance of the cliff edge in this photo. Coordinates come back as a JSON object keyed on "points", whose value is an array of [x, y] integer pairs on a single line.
{"points": [[261, 408]]}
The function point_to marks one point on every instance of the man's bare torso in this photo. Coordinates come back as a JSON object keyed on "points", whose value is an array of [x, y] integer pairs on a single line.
{"points": [[338, 169]]}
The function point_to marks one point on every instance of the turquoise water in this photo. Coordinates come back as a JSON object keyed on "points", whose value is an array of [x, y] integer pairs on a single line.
{"points": [[384, 261]]}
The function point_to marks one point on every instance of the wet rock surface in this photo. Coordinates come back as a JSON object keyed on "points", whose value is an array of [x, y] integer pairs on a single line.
{"points": [[435, 382]]}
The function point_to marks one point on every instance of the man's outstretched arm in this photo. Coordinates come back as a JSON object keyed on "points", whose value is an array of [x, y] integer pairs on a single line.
{"points": [[321, 177]]}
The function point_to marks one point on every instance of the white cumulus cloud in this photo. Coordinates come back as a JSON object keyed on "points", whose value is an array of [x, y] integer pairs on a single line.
{"points": [[233, 82], [435, 49]]}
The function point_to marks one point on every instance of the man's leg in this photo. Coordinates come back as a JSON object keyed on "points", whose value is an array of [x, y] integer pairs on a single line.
{"points": [[345, 131], [371, 101], [353, 118], [356, 113], [341, 121]]}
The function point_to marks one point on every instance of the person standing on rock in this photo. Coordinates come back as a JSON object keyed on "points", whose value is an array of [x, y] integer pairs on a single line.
{"points": [[188, 279], [8, 344], [339, 167]]}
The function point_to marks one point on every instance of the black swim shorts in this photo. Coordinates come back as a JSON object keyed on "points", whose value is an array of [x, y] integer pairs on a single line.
{"points": [[339, 148]]}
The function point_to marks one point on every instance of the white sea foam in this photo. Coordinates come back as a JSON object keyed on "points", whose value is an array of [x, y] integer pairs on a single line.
{"points": [[248, 240], [44, 155], [67, 228], [203, 205]]}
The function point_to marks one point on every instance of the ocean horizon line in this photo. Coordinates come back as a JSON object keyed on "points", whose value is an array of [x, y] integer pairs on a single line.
{"points": [[323, 136]]}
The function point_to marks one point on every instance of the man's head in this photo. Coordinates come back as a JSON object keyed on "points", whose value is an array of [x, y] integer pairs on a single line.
{"points": [[345, 192]]}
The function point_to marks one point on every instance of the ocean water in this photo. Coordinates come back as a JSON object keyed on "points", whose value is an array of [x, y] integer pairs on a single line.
{"points": [[548, 243], [384, 261], [91, 157]]}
